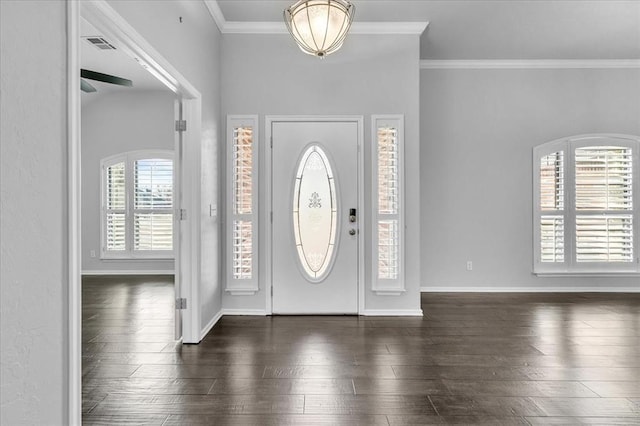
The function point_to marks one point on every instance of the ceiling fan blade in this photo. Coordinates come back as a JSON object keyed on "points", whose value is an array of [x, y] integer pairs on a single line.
{"points": [[105, 78], [86, 87]]}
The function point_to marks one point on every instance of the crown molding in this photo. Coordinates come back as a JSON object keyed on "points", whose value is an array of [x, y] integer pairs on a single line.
{"points": [[416, 28], [216, 13], [237, 27], [242, 27], [530, 64]]}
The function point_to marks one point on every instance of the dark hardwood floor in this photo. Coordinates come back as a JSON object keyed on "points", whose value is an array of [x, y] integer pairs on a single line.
{"points": [[493, 359]]}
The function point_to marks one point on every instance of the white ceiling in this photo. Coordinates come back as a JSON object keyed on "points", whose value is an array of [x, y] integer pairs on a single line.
{"points": [[502, 29], [458, 29], [114, 62]]}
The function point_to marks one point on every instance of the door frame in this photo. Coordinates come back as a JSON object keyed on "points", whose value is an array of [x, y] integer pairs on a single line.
{"points": [[266, 244], [100, 14]]}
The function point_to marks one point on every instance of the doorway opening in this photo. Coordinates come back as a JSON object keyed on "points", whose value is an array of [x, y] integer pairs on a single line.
{"points": [[185, 144]]}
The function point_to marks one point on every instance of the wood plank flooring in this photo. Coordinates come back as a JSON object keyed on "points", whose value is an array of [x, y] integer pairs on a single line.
{"points": [[480, 359]]}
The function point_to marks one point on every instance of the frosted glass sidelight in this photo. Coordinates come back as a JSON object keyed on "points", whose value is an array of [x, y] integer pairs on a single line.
{"points": [[315, 212]]}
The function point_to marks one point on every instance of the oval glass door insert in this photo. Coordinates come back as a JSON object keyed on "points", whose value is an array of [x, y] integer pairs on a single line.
{"points": [[315, 213]]}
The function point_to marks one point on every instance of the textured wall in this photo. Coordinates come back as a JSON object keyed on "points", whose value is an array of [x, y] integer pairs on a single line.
{"points": [[113, 124], [478, 129], [33, 257]]}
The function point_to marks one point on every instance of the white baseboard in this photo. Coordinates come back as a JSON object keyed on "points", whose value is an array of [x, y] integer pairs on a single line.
{"points": [[480, 289], [367, 312], [129, 272], [255, 312], [207, 328], [392, 312]]}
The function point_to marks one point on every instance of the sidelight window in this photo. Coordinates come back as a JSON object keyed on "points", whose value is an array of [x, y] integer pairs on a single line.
{"points": [[388, 165], [242, 232]]}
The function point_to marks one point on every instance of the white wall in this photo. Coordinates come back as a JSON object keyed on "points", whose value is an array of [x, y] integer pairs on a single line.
{"points": [[33, 247], [193, 48], [478, 128], [115, 123], [371, 74]]}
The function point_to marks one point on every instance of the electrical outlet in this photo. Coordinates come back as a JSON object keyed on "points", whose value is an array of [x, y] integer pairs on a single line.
{"points": [[469, 265], [92, 253]]}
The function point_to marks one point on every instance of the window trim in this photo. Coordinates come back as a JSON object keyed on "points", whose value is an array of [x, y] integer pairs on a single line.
{"points": [[129, 158], [233, 286], [395, 286], [570, 267]]}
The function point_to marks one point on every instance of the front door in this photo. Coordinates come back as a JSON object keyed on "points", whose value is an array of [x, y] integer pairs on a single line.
{"points": [[315, 217]]}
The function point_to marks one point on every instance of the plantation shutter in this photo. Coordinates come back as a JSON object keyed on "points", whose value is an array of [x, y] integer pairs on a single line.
{"points": [[388, 192], [242, 203], [115, 214], [604, 204], [153, 205], [241, 259], [388, 201], [552, 219]]}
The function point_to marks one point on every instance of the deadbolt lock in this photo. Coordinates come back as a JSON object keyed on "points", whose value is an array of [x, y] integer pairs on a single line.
{"points": [[352, 231], [352, 215]]}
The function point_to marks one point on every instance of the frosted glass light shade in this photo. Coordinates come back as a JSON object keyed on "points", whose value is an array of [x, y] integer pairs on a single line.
{"points": [[319, 26]]}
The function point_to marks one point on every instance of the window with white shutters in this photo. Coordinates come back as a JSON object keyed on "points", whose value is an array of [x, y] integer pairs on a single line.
{"points": [[242, 205], [138, 210], [388, 164], [153, 205], [586, 218]]}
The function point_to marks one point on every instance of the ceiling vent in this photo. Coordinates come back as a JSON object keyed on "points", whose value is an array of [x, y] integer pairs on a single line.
{"points": [[100, 43]]}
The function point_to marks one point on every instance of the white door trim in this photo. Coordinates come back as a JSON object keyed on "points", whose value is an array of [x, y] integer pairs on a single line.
{"points": [[100, 14], [266, 243], [74, 245]]}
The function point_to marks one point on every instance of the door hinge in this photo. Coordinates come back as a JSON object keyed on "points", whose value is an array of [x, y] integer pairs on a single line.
{"points": [[181, 303], [271, 291], [271, 141], [271, 216], [181, 125], [183, 214]]}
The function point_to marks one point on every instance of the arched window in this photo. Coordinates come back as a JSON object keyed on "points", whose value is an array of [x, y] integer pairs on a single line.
{"points": [[585, 215], [137, 205]]}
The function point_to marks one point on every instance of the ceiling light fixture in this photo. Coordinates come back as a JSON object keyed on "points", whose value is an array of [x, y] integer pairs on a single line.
{"points": [[319, 26]]}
